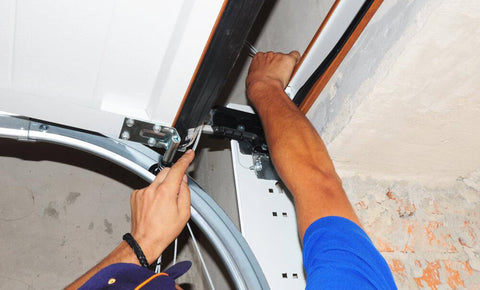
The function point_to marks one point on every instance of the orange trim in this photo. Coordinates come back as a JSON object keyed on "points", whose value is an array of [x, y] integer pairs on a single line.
{"points": [[200, 61], [150, 279], [323, 80]]}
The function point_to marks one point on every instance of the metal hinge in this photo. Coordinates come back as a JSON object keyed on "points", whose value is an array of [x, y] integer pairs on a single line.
{"points": [[153, 135]]}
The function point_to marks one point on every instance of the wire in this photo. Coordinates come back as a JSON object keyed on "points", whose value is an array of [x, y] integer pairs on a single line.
{"points": [[159, 264], [252, 51], [204, 266], [175, 251], [194, 147]]}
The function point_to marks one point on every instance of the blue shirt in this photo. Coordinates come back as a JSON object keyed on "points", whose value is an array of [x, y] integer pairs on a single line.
{"points": [[338, 254]]}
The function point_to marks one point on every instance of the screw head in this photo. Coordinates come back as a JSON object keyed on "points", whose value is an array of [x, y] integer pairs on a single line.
{"points": [[43, 128], [258, 166], [157, 128], [130, 123], [241, 128], [151, 141], [176, 138], [125, 135]]}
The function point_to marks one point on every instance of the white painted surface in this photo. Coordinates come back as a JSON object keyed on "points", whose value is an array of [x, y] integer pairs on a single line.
{"points": [[267, 221], [273, 239], [82, 63]]}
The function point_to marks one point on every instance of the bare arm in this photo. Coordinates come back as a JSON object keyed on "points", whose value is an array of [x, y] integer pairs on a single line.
{"points": [[159, 213], [298, 153]]}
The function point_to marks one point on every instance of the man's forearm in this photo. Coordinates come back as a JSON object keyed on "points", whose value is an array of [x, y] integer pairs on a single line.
{"points": [[300, 157], [290, 134]]}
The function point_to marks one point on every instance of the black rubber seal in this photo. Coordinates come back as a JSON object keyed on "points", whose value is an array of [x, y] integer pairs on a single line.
{"points": [[305, 89], [220, 57]]}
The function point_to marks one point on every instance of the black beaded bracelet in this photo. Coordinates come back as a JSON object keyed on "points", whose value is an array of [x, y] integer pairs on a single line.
{"points": [[136, 249]]}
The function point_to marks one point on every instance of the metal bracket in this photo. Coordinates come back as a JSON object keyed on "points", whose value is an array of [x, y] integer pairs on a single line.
{"points": [[153, 135], [245, 128], [238, 125], [263, 167], [268, 222]]}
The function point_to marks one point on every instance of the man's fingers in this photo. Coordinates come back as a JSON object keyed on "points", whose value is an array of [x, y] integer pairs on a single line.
{"points": [[296, 55], [184, 198], [161, 176], [176, 173]]}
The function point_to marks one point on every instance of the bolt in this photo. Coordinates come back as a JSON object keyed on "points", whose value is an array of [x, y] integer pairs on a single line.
{"points": [[157, 128], [125, 135], [130, 123], [257, 166], [43, 128], [176, 139], [241, 128], [151, 141], [264, 147]]}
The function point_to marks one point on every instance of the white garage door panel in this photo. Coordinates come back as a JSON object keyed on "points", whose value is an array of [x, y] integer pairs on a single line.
{"points": [[137, 43], [58, 46], [62, 59], [7, 14]]}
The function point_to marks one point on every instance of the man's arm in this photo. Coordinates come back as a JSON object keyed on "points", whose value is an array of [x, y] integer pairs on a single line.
{"points": [[159, 213], [298, 153]]}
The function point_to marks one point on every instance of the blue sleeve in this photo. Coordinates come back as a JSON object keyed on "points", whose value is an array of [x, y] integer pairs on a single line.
{"points": [[338, 254]]}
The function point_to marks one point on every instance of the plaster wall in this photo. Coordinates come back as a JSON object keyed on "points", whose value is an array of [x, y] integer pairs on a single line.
{"points": [[400, 117]]}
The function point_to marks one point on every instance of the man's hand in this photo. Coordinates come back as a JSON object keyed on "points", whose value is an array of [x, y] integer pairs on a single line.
{"points": [[270, 70], [159, 213], [161, 210]]}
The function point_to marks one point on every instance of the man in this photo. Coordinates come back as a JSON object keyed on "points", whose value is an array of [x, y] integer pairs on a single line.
{"points": [[337, 252]]}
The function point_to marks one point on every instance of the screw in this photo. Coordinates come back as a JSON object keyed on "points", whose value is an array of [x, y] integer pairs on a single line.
{"points": [[241, 128], [176, 139], [152, 141], [257, 167], [157, 128], [130, 123], [125, 135], [264, 147], [43, 128]]}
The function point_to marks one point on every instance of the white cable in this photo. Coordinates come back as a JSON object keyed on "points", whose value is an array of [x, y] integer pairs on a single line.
{"points": [[159, 263], [197, 140], [175, 251], [204, 266]]}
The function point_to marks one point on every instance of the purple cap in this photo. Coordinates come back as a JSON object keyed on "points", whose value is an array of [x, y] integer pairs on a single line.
{"points": [[131, 276]]}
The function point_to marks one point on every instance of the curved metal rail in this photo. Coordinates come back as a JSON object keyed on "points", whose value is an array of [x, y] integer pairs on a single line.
{"points": [[207, 215]]}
